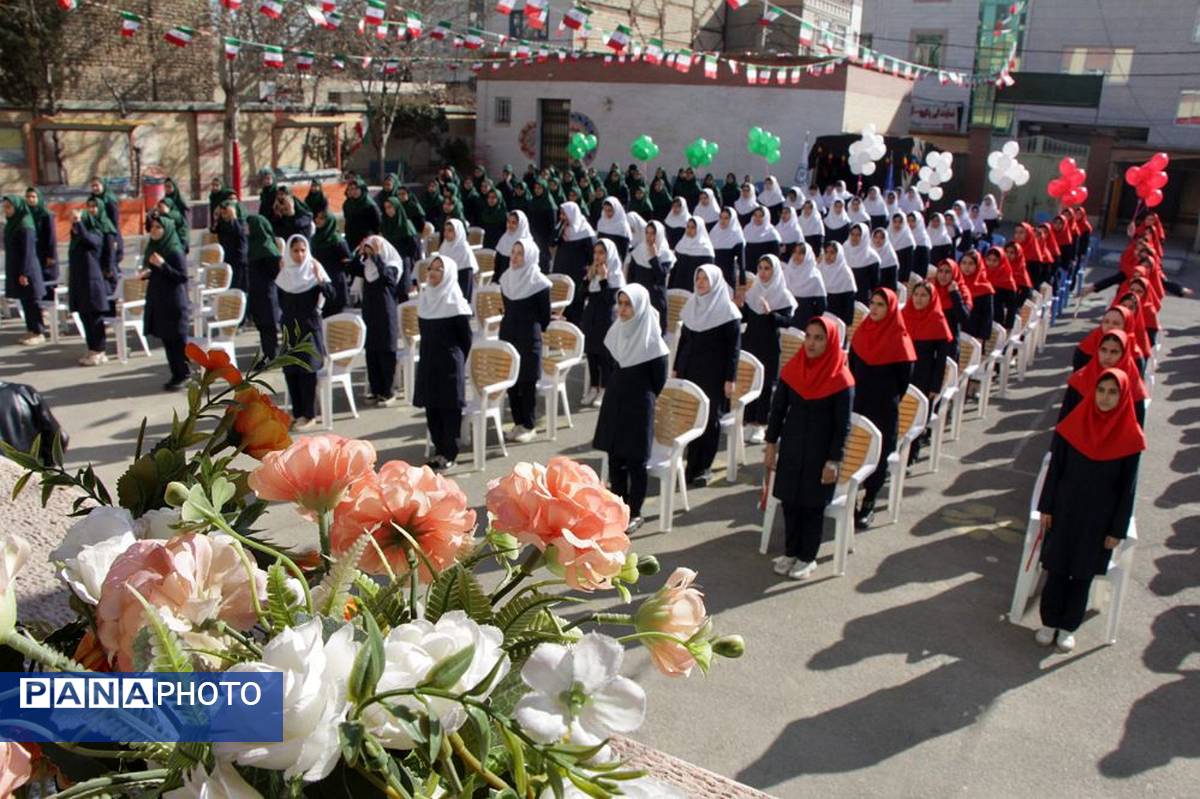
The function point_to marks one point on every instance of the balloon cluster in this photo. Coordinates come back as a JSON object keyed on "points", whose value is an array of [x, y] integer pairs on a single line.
{"points": [[865, 151], [701, 152], [935, 172], [1149, 179], [1004, 169], [1068, 188], [764, 143], [580, 145], [644, 148]]}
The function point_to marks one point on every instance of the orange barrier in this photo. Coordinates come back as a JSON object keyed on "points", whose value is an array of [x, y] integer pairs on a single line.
{"points": [[133, 213]]}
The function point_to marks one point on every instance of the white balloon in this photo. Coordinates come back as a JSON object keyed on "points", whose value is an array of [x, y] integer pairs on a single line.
{"points": [[947, 160], [935, 193], [868, 129], [1022, 178], [1004, 163], [924, 173], [1011, 149], [868, 168], [944, 174], [878, 151], [923, 186], [994, 159], [1005, 183], [931, 158]]}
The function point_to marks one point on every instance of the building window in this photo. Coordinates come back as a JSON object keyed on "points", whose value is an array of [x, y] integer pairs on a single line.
{"points": [[867, 40], [1196, 27], [1113, 63], [517, 29], [503, 110], [1189, 108], [927, 47]]}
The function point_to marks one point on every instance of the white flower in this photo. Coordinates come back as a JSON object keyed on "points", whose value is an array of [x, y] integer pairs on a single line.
{"points": [[157, 524], [14, 551], [643, 788], [578, 693], [412, 650], [315, 677], [85, 573], [102, 523], [223, 783]]}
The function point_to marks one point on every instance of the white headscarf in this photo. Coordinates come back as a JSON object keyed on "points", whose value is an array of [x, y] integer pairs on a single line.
{"points": [[887, 255], [712, 211], [678, 219], [857, 215], [835, 219], [864, 254], [874, 203], [771, 194], [831, 194], [800, 198], [725, 238], [637, 227], [459, 250], [519, 283], [818, 200], [757, 233], [504, 245], [893, 207], [989, 210], [746, 205], [838, 276], [774, 291], [903, 237], [804, 279], [911, 201], [920, 235], [639, 339], [938, 235], [386, 253], [810, 223], [297, 277], [789, 227], [976, 220], [618, 225], [641, 254], [616, 270], [446, 298], [705, 311], [577, 226], [699, 245]]}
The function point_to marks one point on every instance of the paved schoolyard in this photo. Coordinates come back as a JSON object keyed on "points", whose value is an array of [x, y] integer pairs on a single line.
{"points": [[904, 678]]}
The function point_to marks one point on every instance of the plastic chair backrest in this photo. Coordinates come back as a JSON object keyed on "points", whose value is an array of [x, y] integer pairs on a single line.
{"points": [[486, 260], [562, 289], [489, 303], [995, 341], [676, 411], [493, 362], [968, 352], [750, 375], [860, 447], [839, 323], [560, 342], [475, 236], [212, 254], [901, 294], [345, 333], [423, 271], [791, 341], [218, 276], [914, 410], [1026, 312], [949, 377], [1039, 483], [134, 290], [676, 299], [860, 313], [230, 304], [410, 326]]}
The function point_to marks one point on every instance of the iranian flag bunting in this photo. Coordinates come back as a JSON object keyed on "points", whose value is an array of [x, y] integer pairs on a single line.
{"points": [[304, 60], [415, 23], [781, 76], [764, 76], [710, 67], [806, 33], [683, 60], [474, 39], [619, 39], [328, 6], [441, 31], [317, 16], [736, 4], [769, 15], [333, 20], [536, 13], [505, 7], [271, 8], [376, 11], [381, 31], [577, 17], [339, 62], [179, 36], [67, 5], [391, 67], [232, 5], [272, 56], [654, 51], [830, 67], [130, 24], [232, 46], [794, 78], [751, 73], [733, 66]]}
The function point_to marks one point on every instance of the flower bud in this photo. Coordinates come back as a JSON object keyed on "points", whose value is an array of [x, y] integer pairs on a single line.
{"points": [[648, 566], [729, 646], [176, 494], [629, 572]]}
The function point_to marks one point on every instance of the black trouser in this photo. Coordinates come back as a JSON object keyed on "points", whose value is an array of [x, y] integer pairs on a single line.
{"points": [[841, 305], [1064, 601], [573, 313], [1006, 304], [702, 451], [93, 330], [33, 314], [444, 426], [803, 527], [302, 387], [177, 358], [599, 368], [759, 411], [876, 479], [268, 337], [627, 478], [381, 372], [522, 403]]}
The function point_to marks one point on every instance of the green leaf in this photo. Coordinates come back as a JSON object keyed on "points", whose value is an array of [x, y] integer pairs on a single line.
{"points": [[141, 439], [335, 588], [368, 663], [458, 589], [508, 692], [279, 598], [351, 735], [407, 720], [166, 653], [586, 785], [517, 615], [19, 486], [516, 750], [447, 672], [432, 726], [57, 448]]}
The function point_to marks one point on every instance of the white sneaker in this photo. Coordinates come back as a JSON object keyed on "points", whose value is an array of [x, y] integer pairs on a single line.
{"points": [[512, 433], [802, 570], [758, 434], [32, 339], [598, 400], [588, 396], [1044, 636], [784, 564], [1065, 641], [525, 436], [306, 424]]}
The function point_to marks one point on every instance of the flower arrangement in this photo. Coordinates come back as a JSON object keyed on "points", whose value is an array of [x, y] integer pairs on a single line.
{"points": [[409, 670]]}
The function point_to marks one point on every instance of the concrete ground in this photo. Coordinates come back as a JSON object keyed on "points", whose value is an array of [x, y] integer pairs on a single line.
{"points": [[903, 678]]}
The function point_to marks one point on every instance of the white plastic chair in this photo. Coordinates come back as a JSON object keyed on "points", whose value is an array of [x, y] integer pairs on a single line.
{"points": [[840, 324], [860, 313], [1029, 570], [676, 299], [486, 258], [562, 351], [791, 342], [210, 281], [993, 353], [345, 337], [914, 415], [59, 308], [131, 312], [751, 374], [859, 460], [410, 353], [489, 310], [939, 413], [475, 236], [970, 352], [901, 295], [680, 416], [492, 368], [562, 293], [220, 332]]}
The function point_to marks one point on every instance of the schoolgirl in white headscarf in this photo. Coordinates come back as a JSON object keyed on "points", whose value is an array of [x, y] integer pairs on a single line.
{"points": [[771, 197], [650, 263], [516, 229], [614, 225], [889, 264], [840, 287], [804, 281], [761, 238], [459, 250], [876, 208], [302, 286], [746, 202], [708, 209], [768, 308], [837, 222], [693, 250], [444, 319], [605, 276], [863, 260], [921, 247]]}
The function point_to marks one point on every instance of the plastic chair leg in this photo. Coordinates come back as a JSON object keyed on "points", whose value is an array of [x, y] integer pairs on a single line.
{"points": [[666, 501], [1119, 581], [896, 485], [731, 461], [565, 403], [479, 439], [841, 538], [682, 479], [767, 525], [349, 389], [325, 387]]}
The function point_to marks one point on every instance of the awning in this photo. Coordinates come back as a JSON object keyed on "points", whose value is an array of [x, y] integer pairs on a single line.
{"points": [[318, 121], [89, 123], [943, 142]]}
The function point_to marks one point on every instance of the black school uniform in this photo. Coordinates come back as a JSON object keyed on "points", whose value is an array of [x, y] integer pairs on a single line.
{"points": [[920, 264], [761, 340], [22, 261], [625, 427], [366, 221], [930, 367], [709, 358], [732, 263], [878, 390], [543, 226], [263, 302], [654, 278], [839, 234], [87, 289], [47, 251], [598, 314], [939, 253], [775, 211], [300, 316], [757, 250], [683, 273], [298, 224], [905, 257], [336, 262], [522, 326], [441, 379], [810, 433], [866, 280], [979, 322], [235, 243], [382, 319], [956, 317], [572, 259], [167, 314], [1088, 500], [674, 234], [499, 267]]}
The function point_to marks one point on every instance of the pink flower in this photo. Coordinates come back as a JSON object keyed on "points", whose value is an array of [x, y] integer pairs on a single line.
{"points": [[314, 472], [564, 508], [190, 579], [16, 767], [676, 609], [429, 507]]}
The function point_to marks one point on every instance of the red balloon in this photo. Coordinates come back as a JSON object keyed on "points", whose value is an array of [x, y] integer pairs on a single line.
{"points": [[1081, 194], [1144, 188], [1157, 180], [1154, 199], [1133, 175], [1067, 166], [1071, 197], [1159, 161], [1076, 179], [1055, 188]]}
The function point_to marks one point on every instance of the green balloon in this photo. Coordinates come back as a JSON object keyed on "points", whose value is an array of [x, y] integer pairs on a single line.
{"points": [[772, 156], [591, 142]]}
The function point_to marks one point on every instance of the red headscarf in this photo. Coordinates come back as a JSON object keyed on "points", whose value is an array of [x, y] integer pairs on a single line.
{"points": [[1150, 308], [1153, 277], [1138, 333], [943, 292], [978, 283], [885, 341], [1091, 341], [1031, 248], [1082, 223], [824, 376], [1151, 223], [1084, 380], [1105, 435], [1019, 266], [1047, 242], [1002, 276], [928, 324]]}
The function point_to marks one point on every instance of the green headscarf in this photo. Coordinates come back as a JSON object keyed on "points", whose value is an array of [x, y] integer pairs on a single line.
{"points": [[642, 207], [413, 208], [21, 220], [39, 211], [168, 244], [218, 198], [316, 199], [103, 223], [91, 224], [398, 227], [353, 205], [661, 199], [175, 199], [105, 196], [262, 238], [543, 202], [392, 176], [327, 234], [493, 215]]}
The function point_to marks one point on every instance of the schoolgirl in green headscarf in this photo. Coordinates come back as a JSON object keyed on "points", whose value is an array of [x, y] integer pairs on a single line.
{"points": [[397, 228], [316, 199], [173, 197], [412, 207]]}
